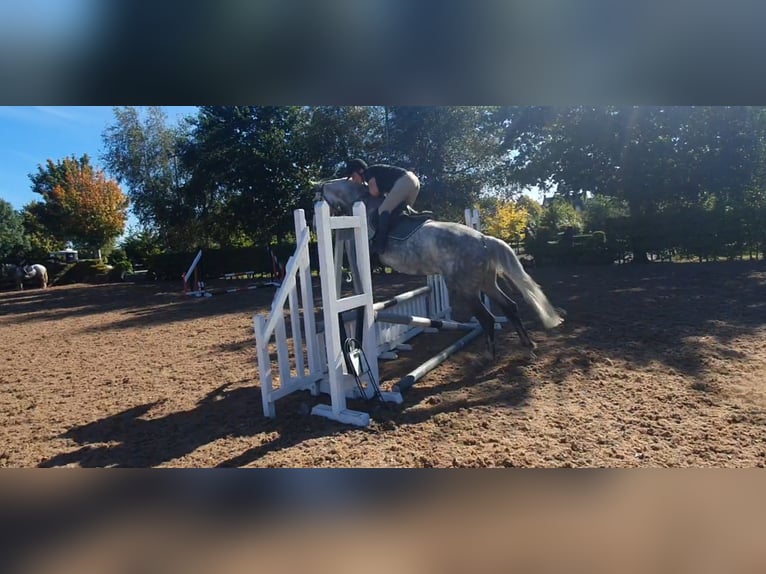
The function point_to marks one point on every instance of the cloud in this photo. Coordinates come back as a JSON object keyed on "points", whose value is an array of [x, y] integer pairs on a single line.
{"points": [[56, 112], [57, 117], [38, 115]]}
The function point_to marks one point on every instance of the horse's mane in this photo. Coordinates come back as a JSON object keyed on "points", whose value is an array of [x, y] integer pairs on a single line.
{"points": [[343, 202], [319, 182]]}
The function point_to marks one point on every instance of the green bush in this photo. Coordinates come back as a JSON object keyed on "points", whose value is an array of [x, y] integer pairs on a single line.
{"points": [[119, 260], [588, 249], [141, 246]]}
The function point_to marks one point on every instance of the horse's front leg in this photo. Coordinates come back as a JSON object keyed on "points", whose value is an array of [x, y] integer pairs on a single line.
{"points": [[487, 322]]}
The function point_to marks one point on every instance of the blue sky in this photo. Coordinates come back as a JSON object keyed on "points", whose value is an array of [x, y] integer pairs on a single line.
{"points": [[30, 135]]}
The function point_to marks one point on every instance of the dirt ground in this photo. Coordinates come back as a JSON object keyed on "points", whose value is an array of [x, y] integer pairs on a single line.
{"points": [[658, 365]]}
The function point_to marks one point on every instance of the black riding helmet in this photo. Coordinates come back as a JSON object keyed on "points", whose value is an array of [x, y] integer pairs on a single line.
{"points": [[353, 165]]}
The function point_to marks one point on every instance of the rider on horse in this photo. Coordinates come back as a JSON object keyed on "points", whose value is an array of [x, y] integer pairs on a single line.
{"points": [[399, 186]]}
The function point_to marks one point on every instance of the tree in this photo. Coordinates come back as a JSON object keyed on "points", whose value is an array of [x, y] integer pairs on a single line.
{"points": [[79, 203], [140, 245], [251, 161], [454, 151], [233, 174], [94, 206], [46, 219], [13, 241], [334, 134], [601, 209], [41, 239], [533, 209], [650, 157], [142, 152], [504, 219], [560, 214]]}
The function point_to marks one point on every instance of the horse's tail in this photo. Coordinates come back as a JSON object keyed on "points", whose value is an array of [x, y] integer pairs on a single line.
{"points": [[510, 267]]}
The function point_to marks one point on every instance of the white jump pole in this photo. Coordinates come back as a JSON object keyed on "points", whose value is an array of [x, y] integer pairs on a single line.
{"points": [[416, 374], [396, 299], [424, 322], [198, 291], [192, 266]]}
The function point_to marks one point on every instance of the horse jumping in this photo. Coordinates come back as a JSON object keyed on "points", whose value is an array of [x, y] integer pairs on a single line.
{"points": [[469, 261]]}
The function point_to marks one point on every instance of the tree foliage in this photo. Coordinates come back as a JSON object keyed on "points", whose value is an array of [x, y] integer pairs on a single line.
{"points": [[142, 152], [232, 175], [560, 214], [334, 134], [504, 219], [79, 204], [94, 207], [249, 165], [600, 210], [452, 149], [41, 239], [13, 240], [652, 158], [141, 245], [684, 180]]}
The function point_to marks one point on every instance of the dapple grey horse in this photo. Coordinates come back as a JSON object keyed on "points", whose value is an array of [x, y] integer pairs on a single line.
{"points": [[469, 261], [38, 271]]}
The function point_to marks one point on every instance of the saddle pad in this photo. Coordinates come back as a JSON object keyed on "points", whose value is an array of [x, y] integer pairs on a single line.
{"points": [[406, 226]]}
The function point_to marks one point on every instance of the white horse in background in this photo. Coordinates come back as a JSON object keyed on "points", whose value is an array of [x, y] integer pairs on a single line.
{"points": [[31, 272]]}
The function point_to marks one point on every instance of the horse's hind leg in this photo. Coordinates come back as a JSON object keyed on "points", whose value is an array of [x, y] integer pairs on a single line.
{"points": [[511, 310]]}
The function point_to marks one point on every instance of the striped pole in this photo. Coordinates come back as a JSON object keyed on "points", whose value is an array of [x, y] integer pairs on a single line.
{"points": [[192, 266], [238, 289], [210, 292], [423, 322], [388, 303], [186, 276]]}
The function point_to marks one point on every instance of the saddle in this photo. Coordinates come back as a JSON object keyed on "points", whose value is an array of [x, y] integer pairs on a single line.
{"points": [[405, 221]]}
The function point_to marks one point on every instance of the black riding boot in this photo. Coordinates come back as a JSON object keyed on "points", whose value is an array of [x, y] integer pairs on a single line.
{"points": [[381, 233]]}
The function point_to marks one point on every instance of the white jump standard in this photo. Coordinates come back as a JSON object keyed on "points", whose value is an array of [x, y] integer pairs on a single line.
{"points": [[328, 373]]}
